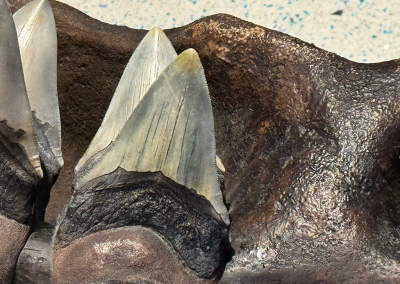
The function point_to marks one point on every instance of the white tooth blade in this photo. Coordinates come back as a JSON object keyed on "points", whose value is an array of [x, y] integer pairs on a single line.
{"points": [[154, 53], [37, 38], [172, 131], [14, 104]]}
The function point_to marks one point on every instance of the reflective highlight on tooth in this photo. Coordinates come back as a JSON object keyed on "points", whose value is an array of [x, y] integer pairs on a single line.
{"points": [[172, 131], [220, 165], [38, 45], [154, 53], [14, 104]]}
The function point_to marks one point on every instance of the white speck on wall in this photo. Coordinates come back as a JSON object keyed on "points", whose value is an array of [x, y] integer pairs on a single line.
{"points": [[360, 30]]}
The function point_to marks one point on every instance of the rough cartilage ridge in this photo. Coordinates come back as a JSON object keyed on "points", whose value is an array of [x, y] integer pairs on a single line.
{"points": [[172, 131], [14, 104], [154, 53], [37, 39]]}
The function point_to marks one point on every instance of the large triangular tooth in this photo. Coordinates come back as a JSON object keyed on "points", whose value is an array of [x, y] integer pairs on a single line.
{"points": [[172, 131], [14, 104], [37, 39], [154, 53]]}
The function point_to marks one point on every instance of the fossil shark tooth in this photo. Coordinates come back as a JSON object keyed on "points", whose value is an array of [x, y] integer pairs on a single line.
{"points": [[14, 104], [172, 131], [37, 39], [154, 53]]}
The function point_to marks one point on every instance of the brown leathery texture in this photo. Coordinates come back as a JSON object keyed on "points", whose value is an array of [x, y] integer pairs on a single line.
{"points": [[12, 239], [309, 141], [124, 254]]}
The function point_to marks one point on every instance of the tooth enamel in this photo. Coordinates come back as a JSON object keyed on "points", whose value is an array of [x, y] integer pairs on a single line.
{"points": [[220, 165], [38, 45], [14, 104], [172, 131], [151, 57]]}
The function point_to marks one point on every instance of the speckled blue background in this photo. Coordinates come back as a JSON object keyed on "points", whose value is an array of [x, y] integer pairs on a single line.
{"points": [[360, 30]]}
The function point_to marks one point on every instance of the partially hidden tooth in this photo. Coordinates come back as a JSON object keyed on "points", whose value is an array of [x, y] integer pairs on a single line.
{"points": [[172, 131], [37, 38], [14, 104], [154, 53]]}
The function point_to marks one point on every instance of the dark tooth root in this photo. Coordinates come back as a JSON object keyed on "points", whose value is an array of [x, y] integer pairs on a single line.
{"points": [[50, 166], [18, 182], [184, 218]]}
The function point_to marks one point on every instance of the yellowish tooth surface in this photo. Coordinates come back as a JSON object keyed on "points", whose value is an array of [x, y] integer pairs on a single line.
{"points": [[14, 104], [172, 131], [37, 39], [220, 165], [151, 57]]}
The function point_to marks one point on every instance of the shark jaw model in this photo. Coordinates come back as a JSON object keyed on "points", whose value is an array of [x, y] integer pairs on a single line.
{"points": [[310, 144]]}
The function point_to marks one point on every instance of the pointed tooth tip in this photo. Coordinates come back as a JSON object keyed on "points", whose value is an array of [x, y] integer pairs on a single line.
{"points": [[156, 34], [39, 172], [156, 31], [220, 165], [37, 3], [35, 161], [60, 161], [189, 60]]}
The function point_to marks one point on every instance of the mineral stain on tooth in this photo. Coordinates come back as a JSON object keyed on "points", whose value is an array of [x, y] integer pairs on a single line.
{"points": [[154, 53], [172, 131], [38, 46], [14, 105]]}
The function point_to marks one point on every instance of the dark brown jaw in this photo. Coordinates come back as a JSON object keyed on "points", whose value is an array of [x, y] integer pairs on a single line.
{"points": [[309, 141]]}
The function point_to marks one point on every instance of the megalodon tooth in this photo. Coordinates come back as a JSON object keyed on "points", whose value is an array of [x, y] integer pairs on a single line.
{"points": [[37, 39], [172, 131], [15, 110], [154, 53]]}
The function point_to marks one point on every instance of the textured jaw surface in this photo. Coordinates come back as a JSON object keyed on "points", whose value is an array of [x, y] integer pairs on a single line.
{"points": [[124, 255], [12, 238], [306, 168]]}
